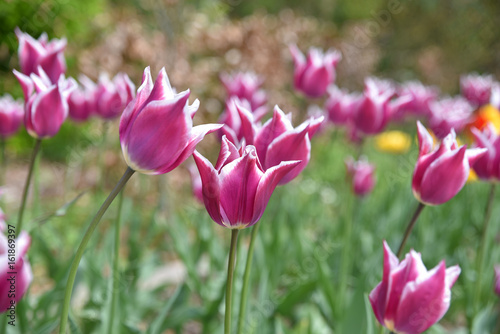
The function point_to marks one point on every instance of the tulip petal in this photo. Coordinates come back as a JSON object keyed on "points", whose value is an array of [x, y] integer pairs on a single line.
{"points": [[228, 153], [425, 141], [48, 112], [247, 124], [210, 186], [272, 129], [26, 84]]}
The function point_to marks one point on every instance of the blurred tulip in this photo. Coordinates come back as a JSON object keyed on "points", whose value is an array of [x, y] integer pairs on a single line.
{"points": [[314, 74], [393, 142], [341, 105], [156, 128], [497, 280], [361, 176], [11, 116], [441, 173], [237, 190], [41, 53], [46, 105], [245, 86], [476, 88], [82, 102], [449, 113], [487, 167], [419, 99], [277, 140], [111, 97], [410, 299]]}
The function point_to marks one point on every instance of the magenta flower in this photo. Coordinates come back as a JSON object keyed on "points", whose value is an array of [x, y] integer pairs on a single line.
{"points": [[82, 101], [341, 105], [46, 105], [156, 128], [11, 116], [277, 140], [419, 99], [237, 190], [449, 113], [476, 88], [410, 299], [20, 266], [314, 74], [361, 175], [41, 53], [111, 97], [487, 167], [245, 86], [441, 173], [497, 280]]}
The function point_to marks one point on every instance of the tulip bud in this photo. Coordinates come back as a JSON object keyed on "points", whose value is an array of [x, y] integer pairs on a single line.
{"points": [[476, 88], [11, 116], [361, 175], [313, 75], [497, 280], [236, 191], [245, 86], [156, 128], [82, 102], [487, 167], [35, 54], [341, 105], [111, 97], [46, 105], [410, 299], [441, 173], [449, 113]]}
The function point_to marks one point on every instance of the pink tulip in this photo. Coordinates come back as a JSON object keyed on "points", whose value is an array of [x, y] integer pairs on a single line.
{"points": [[419, 99], [18, 264], [236, 191], [476, 88], [245, 86], [449, 113], [410, 299], [487, 167], [361, 176], [341, 105], [156, 128], [111, 97], [313, 75], [441, 173], [277, 140], [82, 102], [11, 116], [41, 53], [46, 105], [497, 280]]}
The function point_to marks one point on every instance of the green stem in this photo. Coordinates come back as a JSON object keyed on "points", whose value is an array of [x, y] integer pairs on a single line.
{"points": [[246, 278], [483, 246], [34, 154], [229, 284], [115, 275], [410, 226], [81, 249]]}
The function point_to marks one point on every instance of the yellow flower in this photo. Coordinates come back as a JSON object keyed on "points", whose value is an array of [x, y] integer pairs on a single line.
{"points": [[393, 142]]}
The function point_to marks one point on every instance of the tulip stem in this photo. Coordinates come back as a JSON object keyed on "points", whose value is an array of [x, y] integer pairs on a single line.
{"points": [[409, 228], [83, 244], [246, 278], [34, 154], [115, 275], [229, 284], [483, 243]]}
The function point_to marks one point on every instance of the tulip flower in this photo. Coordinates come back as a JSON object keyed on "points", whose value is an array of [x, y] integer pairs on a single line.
{"points": [[314, 74], [476, 88], [46, 105], [341, 105], [156, 128], [410, 299], [111, 97], [441, 173], [41, 53], [361, 176], [82, 101], [11, 116], [449, 113], [497, 280], [277, 140], [21, 267], [245, 86], [487, 167], [419, 99], [236, 191]]}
